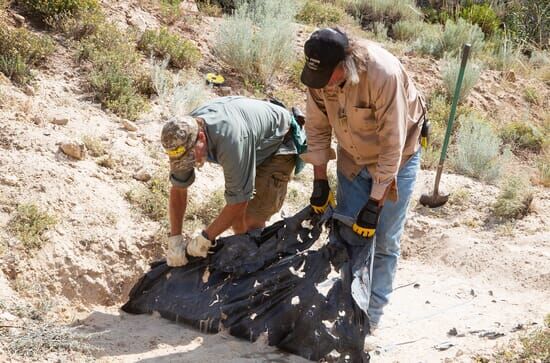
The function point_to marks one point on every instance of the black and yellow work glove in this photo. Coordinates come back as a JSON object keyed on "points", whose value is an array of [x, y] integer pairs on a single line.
{"points": [[367, 219], [321, 197]]}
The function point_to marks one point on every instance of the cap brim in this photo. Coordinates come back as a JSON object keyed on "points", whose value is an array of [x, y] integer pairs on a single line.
{"points": [[315, 79]]}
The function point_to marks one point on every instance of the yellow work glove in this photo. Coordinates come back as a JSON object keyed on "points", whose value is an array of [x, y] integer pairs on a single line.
{"points": [[199, 245], [175, 255], [321, 197], [367, 219]]}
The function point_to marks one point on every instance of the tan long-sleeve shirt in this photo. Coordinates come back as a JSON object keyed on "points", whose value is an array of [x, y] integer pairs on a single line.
{"points": [[376, 122]]}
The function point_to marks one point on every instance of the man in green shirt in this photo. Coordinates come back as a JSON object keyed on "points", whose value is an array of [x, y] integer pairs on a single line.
{"points": [[248, 138]]}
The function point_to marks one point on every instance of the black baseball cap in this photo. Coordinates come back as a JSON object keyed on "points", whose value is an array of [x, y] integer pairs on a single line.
{"points": [[324, 49]]}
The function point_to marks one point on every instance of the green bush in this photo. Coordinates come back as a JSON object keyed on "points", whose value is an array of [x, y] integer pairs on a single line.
{"points": [[182, 53], [257, 40], [514, 199], [528, 21], [523, 135], [477, 150], [47, 9], [388, 12], [449, 74], [408, 29], [482, 15], [210, 8], [316, 12], [20, 50], [29, 225], [116, 75]]}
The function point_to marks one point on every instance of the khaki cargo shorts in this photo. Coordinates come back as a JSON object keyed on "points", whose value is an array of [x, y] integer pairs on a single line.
{"points": [[272, 177]]}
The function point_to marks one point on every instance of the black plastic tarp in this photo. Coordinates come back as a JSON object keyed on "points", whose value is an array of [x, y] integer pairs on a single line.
{"points": [[303, 288]]}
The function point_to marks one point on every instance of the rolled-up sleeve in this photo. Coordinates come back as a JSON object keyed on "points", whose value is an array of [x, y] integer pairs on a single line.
{"points": [[318, 131], [391, 119], [182, 179]]}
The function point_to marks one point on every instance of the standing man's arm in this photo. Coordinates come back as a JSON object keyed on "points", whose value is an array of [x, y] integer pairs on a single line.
{"points": [[319, 151], [231, 215]]}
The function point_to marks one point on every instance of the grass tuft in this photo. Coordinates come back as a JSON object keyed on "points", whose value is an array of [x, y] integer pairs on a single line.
{"points": [[152, 198], [94, 145], [50, 10], [29, 225], [206, 211]]}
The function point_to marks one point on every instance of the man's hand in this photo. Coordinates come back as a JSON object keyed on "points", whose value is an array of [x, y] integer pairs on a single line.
{"points": [[175, 256], [367, 219], [199, 245], [321, 197]]}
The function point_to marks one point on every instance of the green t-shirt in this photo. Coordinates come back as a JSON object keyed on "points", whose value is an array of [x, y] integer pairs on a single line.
{"points": [[241, 134]]}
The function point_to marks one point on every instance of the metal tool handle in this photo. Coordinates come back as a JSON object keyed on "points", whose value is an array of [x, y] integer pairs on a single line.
{"points": [[456, 96]]}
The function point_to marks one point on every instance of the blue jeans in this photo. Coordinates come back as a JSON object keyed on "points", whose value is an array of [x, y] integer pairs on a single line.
{"points": [[351, 197]]}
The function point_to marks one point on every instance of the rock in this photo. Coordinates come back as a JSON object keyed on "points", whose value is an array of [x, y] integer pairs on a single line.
{"points": [[60, 120], [74, 149], [142, 175], [6, 316], [19, 19], [189, 5], [510, 76], [416, 285], [4, 80], [131, 142], [226, 91], [132, 135], [129, 125], [10, 180], [444, 346], [37, 119], [452, 332], [28, 90]]}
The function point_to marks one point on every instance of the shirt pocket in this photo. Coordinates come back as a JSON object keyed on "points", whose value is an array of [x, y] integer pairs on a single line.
{"points": [[362, 120]]}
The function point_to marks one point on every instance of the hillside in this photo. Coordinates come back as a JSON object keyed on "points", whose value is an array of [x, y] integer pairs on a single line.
{"points": [[83, 182]]}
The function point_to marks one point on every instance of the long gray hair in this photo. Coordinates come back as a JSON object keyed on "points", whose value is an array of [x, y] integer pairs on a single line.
{"points": [[355, 62]]}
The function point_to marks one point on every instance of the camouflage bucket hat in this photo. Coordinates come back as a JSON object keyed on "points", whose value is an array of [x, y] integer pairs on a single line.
{"points": [[178, 138]]}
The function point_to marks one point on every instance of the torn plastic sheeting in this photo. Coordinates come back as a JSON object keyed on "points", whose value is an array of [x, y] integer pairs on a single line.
{"points": [[269, 284]]}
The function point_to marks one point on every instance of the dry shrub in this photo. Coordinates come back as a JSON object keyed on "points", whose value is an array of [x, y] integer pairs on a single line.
{"points": [[514, 199], [29, 225]]}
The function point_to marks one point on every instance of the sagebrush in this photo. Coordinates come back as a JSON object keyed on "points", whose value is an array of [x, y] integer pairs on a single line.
{"points": [[449, 75], [257, 40], [477, 150], [523, 135], [50, 10]]}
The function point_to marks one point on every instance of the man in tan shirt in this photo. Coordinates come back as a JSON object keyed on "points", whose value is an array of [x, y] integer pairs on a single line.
{"points": [[361, 93]]}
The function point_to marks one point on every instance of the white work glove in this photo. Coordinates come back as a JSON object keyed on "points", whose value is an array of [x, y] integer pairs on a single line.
{"points": [[199, 245], [175, 256]]}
